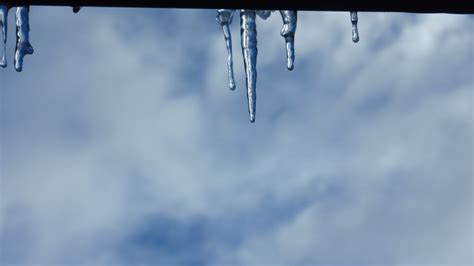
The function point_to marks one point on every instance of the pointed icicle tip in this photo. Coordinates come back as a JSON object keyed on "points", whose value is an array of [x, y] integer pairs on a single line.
{"points": [[288, 31], [4, 28], [248, 32], [355, 30], [23, 46], [252, 118]]}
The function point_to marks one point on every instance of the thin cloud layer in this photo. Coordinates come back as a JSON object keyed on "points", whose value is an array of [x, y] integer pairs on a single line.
{"points": [[121, 143]]}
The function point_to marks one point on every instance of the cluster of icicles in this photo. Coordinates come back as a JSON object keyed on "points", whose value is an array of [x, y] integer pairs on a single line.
{"points": [[248, 32], [23, 46]]}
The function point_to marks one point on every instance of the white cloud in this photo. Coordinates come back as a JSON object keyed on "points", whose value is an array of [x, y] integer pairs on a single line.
{"points": [[362, 154]]}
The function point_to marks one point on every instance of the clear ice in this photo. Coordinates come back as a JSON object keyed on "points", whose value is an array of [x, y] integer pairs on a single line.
{"points": [[224, 18], [3, 25], [248, 34], [290, 19], [23, 46], [355, 30]]}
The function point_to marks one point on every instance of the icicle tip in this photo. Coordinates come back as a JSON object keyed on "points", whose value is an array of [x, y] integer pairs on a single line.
{"points": [[252, 118]]}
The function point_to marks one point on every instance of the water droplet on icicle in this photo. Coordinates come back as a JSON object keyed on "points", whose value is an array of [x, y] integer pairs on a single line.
{"points": [[290, 20], [23, 46], [76, 9], [3, 25], [248, 32], [355, 30], [224, 18]]}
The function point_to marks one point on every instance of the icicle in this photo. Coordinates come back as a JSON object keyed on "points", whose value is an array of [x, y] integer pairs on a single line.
{"points": [[76, 9], [3, 25], [224, 18], [290, 19], [23, 46], [355, 30], [264, 14], [248, 32]]}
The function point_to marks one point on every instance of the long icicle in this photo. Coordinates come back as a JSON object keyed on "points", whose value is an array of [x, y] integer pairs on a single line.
{"points": [[4, 26], [248, 32], [290, 20], [224, 18], [355, 30], [23, 46]]}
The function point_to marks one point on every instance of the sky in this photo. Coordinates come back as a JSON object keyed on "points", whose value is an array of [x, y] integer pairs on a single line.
{"points": [[121, 143]]}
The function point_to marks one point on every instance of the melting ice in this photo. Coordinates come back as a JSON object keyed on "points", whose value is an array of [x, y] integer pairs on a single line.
{"points": [[288, 31], [3, 25], [248, 35], [355, 30], [224, 18], [23, 46]]}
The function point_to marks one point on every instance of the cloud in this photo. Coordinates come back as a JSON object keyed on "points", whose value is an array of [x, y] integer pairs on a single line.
{"points": [[121, 143]]}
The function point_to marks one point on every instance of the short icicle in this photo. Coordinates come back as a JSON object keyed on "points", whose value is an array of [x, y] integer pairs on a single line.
{"points": [[224, 18], [290, 20], [355, 30], [4, 26], [23, 46], [248, 32], [76, 9]]}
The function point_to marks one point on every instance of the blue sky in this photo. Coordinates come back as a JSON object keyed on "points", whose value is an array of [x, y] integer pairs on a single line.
{"points": [[121, 143]]}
